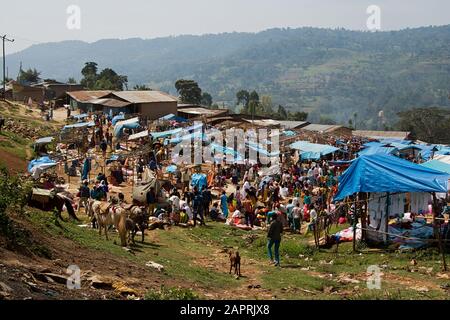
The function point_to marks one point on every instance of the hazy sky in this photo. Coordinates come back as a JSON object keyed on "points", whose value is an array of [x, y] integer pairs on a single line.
{"points": [[31, 22]]}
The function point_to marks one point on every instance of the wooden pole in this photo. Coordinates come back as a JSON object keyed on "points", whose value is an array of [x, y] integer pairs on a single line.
{"points": [[388, 200], [437, 231], [355, 222], [364, 216]]}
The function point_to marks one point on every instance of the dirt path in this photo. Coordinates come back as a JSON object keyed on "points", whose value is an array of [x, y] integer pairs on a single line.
{"points": [[13, 162]]}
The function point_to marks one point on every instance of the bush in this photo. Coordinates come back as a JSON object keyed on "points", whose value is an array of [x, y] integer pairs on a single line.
{"points": [[294, 249], [171, 294]]}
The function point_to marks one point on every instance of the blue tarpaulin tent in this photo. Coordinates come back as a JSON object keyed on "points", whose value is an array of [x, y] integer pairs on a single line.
{"points": [[225, 151], [313, 151], [386, 173], [79, 125], [42, 161], [112, 158], [199, 180], [117, 118], [428, 150], [80, 116], [171, 169], [289, 133], [381, 149], [437, 165], [127, 124], [261, 150], [192, 136], [36, 166], [163, 134], [45, 140], [172, 117]]}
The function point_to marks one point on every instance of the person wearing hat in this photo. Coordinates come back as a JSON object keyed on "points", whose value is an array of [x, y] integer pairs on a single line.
{"points": [[274, 237], [85, 194]]}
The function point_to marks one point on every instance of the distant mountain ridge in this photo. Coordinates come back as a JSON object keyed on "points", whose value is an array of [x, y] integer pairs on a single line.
{"points": [[330, 73]]}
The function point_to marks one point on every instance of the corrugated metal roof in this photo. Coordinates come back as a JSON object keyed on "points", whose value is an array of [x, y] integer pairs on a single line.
{"points": [[381, 134], [322, 127], [263, 122], [87, 95], [110, 102], [203, 111], [293, 124], [145, 96]]}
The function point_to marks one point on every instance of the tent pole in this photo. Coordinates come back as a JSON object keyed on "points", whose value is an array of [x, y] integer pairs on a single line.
{"points": [[437, 230], [355, 222], [363, 216], [387, 217]]}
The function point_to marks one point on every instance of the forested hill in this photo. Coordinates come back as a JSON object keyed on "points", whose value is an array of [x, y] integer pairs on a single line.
{"points": [[330, 73]]}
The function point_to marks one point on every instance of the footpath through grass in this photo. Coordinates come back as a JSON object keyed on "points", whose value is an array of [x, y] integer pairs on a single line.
{"points": [[196, 258]]}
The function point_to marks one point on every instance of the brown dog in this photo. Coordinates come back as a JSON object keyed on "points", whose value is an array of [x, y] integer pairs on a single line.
{"points": [[235, 262]]}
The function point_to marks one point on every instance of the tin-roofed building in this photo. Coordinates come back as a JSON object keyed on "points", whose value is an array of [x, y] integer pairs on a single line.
{"points": [[401, 135], [149, 104]]}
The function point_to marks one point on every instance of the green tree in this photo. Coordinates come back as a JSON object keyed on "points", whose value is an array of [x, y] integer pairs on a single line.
{"points": [[71, 80], [89, 73], [266, 105], [108, 79], [252, 108], [89, 69], [282, 114], [207, 99], [243, 97], [254, 96], [142, 87], [298, 116], [326, 120], [29, 76], [189, 91], [428, 124]]}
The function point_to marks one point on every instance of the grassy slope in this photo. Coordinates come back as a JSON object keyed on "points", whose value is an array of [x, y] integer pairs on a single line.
{"points": [[16, 146], [194, 258]]}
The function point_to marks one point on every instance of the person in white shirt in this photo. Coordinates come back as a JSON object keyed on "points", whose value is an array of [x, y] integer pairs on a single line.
{"points": [[188, 211], [284, 191], [312, 214], [297, 217], [175, 201], [251, 176]]}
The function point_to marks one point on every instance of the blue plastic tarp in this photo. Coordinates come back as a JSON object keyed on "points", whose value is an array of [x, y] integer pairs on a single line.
{"points": [[261, 150], [313, 151], [199, 180], [172, 117], [289, 133], [79, 125], [42, 162], [81, 116], [403, 146], [377, 150], [112, 158], [188, 137], [437, 165], [428, 150], [118, 129], [163, 134], [117, 118], [225, 151], [171, 169], [45, 140], [386, 173]]}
